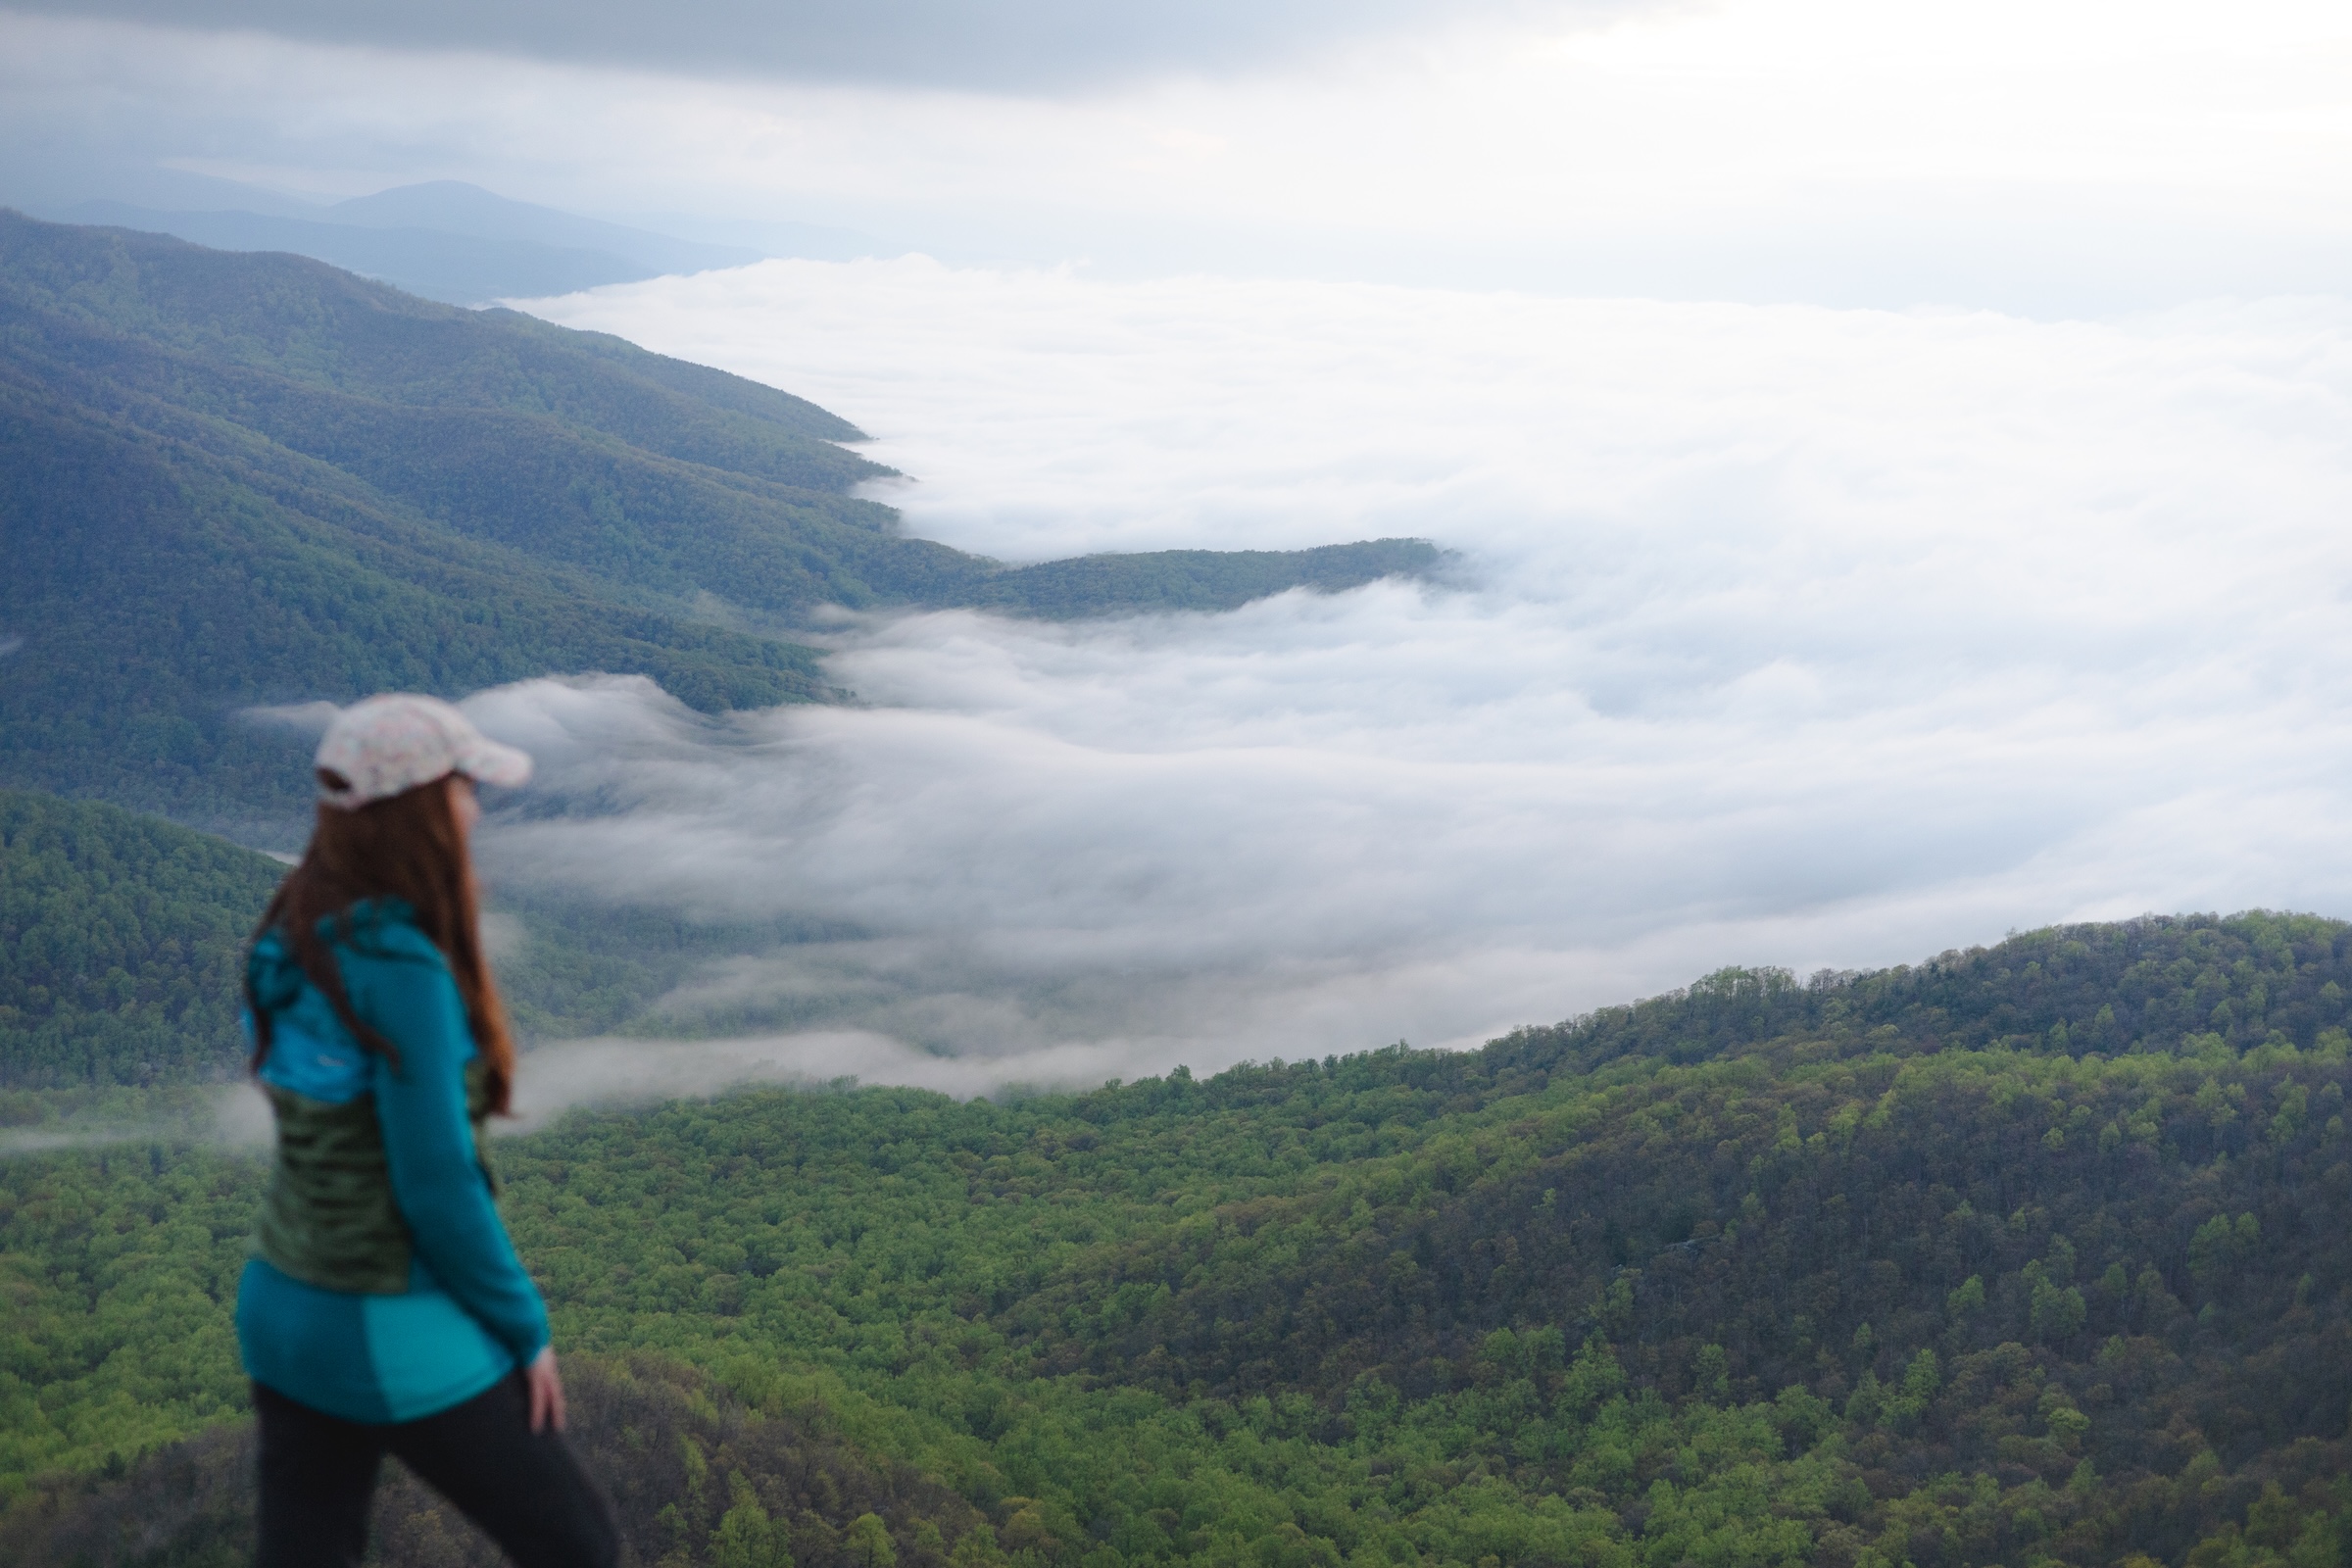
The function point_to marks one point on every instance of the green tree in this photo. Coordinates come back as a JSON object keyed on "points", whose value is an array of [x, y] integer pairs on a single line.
{"points": [[868, 1542], [745, 1537]]}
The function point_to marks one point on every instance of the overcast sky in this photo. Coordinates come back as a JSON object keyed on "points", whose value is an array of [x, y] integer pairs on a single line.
{"points": [[2044, 156], [988, 45]]}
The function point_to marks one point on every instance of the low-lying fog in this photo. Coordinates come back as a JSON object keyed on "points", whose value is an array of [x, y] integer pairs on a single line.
{"points": [[1778, 635]]}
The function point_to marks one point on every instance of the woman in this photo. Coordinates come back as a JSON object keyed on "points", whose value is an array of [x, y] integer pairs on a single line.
{"points": [[385, 1311]]}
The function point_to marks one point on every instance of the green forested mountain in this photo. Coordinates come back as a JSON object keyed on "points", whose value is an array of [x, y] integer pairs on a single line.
{"points": [[1190, 579], [121, 938], [2025, 1254], [121, 944], [2028, 1254], [236, 479]]}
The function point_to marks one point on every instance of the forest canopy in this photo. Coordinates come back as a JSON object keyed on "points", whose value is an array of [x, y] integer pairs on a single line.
{"points": [[1919, 1266], [121, 944]]}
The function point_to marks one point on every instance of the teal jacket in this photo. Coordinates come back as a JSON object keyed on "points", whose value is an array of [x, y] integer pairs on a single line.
{"points": [[383, 1287]]}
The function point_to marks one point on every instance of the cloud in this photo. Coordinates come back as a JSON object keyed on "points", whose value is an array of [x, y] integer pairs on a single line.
{"points": [[234, 1114], [306, 719], [554, 1079], [2064, 159], [1790, 635], [43, 1141], [991, 45]]}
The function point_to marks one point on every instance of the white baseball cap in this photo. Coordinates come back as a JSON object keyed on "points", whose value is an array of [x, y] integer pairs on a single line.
{"points": [[383, 745]]}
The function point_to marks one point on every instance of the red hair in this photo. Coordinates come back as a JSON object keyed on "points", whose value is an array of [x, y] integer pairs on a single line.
{"points": [[409, 847]]}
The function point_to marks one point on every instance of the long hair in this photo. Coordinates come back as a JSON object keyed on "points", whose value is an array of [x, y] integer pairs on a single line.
{"points": [[406, 846]]}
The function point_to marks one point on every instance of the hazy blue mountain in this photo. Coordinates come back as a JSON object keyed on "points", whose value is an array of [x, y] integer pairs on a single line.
{"points": [[229, 480], [456, 269], [453, 207], [445, 240], [46, 186], [454, 242]]}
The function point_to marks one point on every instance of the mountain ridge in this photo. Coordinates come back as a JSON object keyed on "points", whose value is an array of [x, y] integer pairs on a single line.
{"points": [[2030, 1253], [1835, 1296], [443, 239], [230, 481]]}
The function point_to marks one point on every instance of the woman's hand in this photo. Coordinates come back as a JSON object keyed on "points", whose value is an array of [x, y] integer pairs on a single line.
{"points": [[545, 1387]]}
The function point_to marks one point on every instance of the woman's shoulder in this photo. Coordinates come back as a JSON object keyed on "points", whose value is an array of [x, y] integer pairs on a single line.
{"points": [[385, 929], [371, 931]]}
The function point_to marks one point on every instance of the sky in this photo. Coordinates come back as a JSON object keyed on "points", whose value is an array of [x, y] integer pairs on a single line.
{"points": [[2069, 157], [1894, 458]]}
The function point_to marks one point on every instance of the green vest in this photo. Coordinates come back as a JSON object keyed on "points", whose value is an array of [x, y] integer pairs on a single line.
{"points": [[328, 1218]]}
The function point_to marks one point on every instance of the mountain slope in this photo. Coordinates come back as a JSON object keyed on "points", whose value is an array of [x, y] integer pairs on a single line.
{"points": [[444, 240], [432, 263], [684, 1464], [1840, 1292], [234, 480], [158, 586], [454, 206], [121, 938], [2089, 1109], [121, 944]]}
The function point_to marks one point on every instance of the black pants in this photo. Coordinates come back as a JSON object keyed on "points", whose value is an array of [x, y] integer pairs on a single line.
{"points": [[526, 1492]]}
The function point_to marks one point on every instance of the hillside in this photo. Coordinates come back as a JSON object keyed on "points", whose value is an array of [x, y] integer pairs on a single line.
{"points": [[122, 938], [121, 944], [2030, 1253], [444, 240], [229, 480]]}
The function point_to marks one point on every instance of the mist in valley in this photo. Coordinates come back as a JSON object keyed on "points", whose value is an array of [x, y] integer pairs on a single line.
{"points": [[1773, 635]]}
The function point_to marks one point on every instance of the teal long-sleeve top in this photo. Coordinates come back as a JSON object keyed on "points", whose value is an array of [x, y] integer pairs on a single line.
{"points": [[370, 1304]]}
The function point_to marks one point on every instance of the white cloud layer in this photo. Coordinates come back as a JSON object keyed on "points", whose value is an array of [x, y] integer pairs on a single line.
{"points": [[1781, 635]]}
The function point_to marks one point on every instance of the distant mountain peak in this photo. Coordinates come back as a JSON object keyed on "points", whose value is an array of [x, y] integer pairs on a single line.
{"points": [[454, 207]]}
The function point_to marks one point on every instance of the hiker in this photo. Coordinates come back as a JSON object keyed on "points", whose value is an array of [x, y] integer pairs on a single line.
{"points": [[384, 1310]]}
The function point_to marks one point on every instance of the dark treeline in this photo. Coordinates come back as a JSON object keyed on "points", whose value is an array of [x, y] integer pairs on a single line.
{"points": [[2073, 990]]}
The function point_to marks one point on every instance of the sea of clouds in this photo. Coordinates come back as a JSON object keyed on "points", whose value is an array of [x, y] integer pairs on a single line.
{"points": [[1776, 635]]}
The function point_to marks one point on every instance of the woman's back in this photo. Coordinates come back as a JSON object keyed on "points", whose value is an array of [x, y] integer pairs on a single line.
{"points": [[380, 1195], [384, 1310]]}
